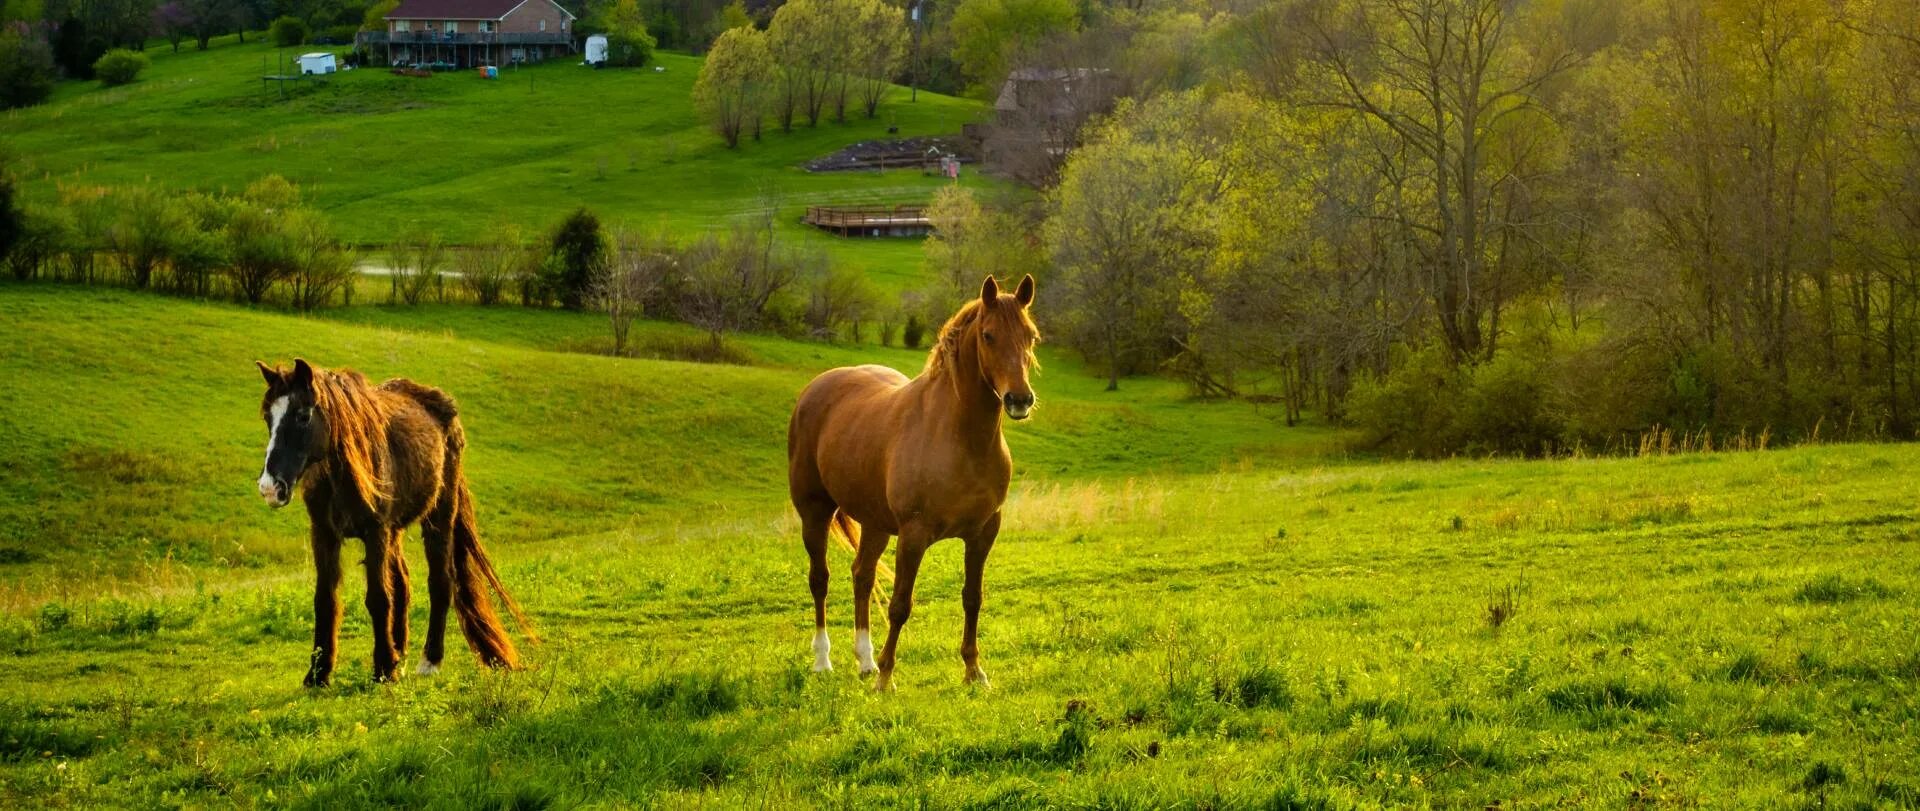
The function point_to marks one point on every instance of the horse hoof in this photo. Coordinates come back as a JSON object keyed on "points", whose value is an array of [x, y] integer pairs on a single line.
{"points": [[427, 668], [884, 684], [978, 678], [822, 667]]}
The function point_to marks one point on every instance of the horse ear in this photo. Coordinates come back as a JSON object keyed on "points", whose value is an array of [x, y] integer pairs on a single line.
{"points": [[270, 374], [302, 374], [1025, 294], [989, 291]]}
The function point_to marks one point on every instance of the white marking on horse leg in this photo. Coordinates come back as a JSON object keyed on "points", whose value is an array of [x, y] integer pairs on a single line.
{"points": [[863, 650], [274, 414], [820, 649], [427, 668]]}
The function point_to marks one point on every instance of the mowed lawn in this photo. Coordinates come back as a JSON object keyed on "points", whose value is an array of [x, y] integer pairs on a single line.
{"points": [[1191, 605], [455, 154]]}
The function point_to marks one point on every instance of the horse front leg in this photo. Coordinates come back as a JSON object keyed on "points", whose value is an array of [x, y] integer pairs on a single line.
{"points": [[326, 605], [906, 567], [401, 582], [979, 545]]}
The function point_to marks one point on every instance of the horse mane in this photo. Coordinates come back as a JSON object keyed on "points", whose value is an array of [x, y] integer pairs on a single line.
{"points": [[940, 358], [356, 429]]}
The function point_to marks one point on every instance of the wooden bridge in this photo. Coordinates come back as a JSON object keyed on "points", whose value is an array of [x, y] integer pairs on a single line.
{"points": [[871, 221]]}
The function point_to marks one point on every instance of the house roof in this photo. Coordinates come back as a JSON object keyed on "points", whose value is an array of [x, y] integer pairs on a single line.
{"points": [[461, 9]]}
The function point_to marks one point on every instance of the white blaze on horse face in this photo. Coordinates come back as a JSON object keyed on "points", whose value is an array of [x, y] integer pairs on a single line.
{"points": [[863, 650], [820, 649], [274, 413]]}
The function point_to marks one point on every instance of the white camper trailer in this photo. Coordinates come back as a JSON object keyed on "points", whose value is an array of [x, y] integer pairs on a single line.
{"points": [[317, 64], [596, 50]]}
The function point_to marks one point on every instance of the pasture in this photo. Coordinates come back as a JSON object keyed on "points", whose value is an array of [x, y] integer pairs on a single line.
{"points": [[457, 155], [1190, 605]]}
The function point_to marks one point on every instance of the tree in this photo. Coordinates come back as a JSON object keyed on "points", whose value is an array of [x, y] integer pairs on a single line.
{"points": [[145, 228], [287, 32], [261, 252], [837, 296], [488, 268], [12, 217], [1129, 230], [628, 43], [173, 21], [1442, 81], [735, 84], [805, 52], [320, 268], [879, 47], [988, 33], [636, 268], [575, 258], [207, 18], [27, 71], [415, 262], [119, 66]]}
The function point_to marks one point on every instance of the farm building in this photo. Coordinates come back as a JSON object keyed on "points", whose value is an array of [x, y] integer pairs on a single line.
{"points": [[470, 33]]}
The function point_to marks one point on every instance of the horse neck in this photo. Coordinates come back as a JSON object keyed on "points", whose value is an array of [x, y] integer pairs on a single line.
{"points": [[976, 408]]}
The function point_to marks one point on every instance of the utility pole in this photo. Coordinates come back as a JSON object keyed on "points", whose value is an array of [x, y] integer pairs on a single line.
{"points": [[916, 16]]}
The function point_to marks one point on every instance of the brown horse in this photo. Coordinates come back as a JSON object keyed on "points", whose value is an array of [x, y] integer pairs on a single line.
{"points": [[877, 455], [369, 461]]}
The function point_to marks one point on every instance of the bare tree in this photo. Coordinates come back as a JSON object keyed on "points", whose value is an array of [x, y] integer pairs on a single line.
{"points": [[635, 269]]}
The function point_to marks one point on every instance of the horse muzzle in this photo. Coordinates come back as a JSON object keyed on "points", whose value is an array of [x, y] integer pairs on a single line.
{"points": [[276, 492], [1018, 406]]}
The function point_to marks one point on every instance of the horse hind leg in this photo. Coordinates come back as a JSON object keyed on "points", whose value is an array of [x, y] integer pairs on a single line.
{"points": [[815, 520], [436, 534], [380, 549]]}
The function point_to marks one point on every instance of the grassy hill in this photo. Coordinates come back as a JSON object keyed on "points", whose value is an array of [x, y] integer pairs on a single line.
{"points": [[1189, 606], [455, 153]]}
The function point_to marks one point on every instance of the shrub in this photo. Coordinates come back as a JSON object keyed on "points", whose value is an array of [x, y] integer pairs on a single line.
{"points": [[1410, 409], [119, 66], [26, 71], [578, 249], [287, 32]]}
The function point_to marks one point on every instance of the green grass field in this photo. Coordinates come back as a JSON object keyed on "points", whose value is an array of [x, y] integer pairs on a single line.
{"points": [[1190, 606], [456, 154]]}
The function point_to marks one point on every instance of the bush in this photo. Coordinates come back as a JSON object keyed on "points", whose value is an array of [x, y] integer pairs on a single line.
{"points": [[628, 43], [578, 250], [119, 66], [287, 32], [26, 71]]}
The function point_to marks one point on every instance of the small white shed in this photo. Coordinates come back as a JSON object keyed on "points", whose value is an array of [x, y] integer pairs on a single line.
{"points": [[317, 63], [596, 49]]}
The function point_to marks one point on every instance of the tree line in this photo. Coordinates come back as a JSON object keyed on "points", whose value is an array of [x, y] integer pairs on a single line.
{"points": [[1478, 225], [814, 56], [265, 246]]}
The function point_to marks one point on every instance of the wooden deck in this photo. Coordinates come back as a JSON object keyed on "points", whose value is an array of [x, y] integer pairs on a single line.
{"points": [[871, 221]]}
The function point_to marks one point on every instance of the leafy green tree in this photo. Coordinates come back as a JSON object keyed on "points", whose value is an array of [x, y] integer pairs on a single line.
{"points": [[987, 33], [577, 251], [287, 32], [119, 66], [628, 43], [27, 71], [736, 83], [879, 49]]}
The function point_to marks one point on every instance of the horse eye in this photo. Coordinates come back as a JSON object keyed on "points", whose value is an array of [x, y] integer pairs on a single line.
{"points": [[989, 337]]}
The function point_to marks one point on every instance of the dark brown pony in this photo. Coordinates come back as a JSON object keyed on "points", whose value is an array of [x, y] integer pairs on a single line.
{"points": [[876, 455], [369, 461]]}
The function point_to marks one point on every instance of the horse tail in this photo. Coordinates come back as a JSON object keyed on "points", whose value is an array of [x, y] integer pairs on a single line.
{"points": [[848, 531], [475, 581]]}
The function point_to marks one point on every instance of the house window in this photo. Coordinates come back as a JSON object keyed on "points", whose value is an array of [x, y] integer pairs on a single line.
{"points": [[402, 26], [486, 26], [452, 27], [543, 26]]}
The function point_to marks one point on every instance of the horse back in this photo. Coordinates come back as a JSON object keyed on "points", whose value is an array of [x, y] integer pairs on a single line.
{"points": [[425, 440]]}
